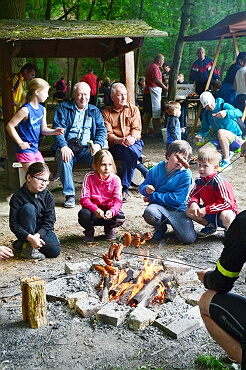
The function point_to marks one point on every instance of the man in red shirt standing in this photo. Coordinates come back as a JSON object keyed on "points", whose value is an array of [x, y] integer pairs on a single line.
{"points": [[152, 94], [91, 79]]}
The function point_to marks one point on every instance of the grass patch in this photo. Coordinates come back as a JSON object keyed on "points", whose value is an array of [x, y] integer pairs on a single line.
{"points": [[207, 361]]}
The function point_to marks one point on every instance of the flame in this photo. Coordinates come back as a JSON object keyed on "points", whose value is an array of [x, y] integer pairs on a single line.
{"points": [[128, 290]]}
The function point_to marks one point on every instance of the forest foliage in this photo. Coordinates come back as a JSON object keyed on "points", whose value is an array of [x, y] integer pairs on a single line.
{"points": [[163, 15]]}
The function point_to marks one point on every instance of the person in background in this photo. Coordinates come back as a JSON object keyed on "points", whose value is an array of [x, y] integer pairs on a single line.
{"points": [[91, 80], [222, 118], [32, 216], [166, 72], [81, 122], [240, 85], [101, 198], [184, 107], [222, 311], [123, 123], [5, 252], [25, 75], [174, 130], [226, 91], [200, 71], [31, 122], [166, 189], [61, 89], [107, 92], [219, 206], [152, 95]]}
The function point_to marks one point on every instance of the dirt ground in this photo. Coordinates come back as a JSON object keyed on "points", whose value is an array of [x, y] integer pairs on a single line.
{"points": [[79, 343]]}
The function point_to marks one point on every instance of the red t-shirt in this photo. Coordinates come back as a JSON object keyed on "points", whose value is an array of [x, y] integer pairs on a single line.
{"points": [[152, 71], [91, 79]]}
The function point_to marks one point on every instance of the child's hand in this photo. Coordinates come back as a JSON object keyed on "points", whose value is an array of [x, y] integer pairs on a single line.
{"points": [[150, 189], [99, 213], [59, 131], [198, 138], [108, 215], [24, 145], [146, 199], [201, 212], [194, 208], [183, 129]]}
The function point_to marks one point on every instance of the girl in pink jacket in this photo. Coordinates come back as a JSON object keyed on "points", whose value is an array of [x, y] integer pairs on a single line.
{"points": [[101, 198]]}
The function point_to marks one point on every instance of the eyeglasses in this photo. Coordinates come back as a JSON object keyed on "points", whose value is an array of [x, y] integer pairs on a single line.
{"points": [[42, 181]]}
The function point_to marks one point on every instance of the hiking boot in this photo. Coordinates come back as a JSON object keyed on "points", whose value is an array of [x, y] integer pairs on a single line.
{"points": [[207, 231], [89, 236], [110, 233], [70, 201], [224, 166], [31, 253]]}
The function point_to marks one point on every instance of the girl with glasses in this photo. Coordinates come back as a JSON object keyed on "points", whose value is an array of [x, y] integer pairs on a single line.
{"points": [[32, 216]]}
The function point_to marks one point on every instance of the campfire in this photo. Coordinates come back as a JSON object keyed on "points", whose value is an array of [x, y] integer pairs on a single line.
{"points": [[129, 287]]}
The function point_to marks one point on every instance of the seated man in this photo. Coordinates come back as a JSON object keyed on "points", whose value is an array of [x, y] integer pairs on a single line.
{"points": [[222, 117], [82, 122], [123, 123], [223, 312]]}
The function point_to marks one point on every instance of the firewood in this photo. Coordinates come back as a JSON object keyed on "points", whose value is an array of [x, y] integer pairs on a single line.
{"points": [[34, 301]]}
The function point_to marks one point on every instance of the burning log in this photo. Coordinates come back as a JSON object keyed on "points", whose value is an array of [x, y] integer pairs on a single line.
{"points": [[119, 287], [146, 294], [106, 286]]}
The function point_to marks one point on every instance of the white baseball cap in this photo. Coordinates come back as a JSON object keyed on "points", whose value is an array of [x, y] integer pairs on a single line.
{"points": [[206, 98]]}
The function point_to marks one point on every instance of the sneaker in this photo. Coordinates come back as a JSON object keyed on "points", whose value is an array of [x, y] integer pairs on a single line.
{"points": [[70, 201], [231, 154], [31, 253], [206, 231], [124, 196], [56, 176], [17, 245], [158, 235], [89, 236], [224, 166], [110, 233]]}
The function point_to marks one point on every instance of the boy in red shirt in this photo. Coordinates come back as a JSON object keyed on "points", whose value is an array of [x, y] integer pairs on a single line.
{"points": [[219, 206]]}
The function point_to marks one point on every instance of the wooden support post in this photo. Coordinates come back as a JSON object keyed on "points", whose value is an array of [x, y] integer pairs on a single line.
{"points": [[127, 75], [34, 301]]}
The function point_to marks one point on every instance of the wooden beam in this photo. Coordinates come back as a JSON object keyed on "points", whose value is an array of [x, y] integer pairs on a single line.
{"points": [[127, 75], [6, 76]]}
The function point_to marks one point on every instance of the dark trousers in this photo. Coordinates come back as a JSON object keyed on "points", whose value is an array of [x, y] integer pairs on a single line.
{"points": [[28, 220], [128, 156], [87, 220]]}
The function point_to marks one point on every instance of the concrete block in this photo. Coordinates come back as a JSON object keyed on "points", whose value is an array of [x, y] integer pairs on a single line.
{"points": [[75, 268], [181, 327], [112, 314], [74, 297], [140, 318], [186, 278], [192, 297], [89, 307]]}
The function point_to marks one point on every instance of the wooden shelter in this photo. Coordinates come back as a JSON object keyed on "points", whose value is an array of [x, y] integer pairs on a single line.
{"points": [[232, 26], [67, 39]]}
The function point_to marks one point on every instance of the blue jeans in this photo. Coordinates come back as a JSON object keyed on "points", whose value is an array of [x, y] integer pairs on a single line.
{"points": [[129, 156], [66, 169], [159, 216], [29, 222]]}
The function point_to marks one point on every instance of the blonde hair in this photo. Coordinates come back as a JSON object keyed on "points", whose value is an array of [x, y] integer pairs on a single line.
{"points": [[33, 85], [209, 154], [98, 157], [170, 106]]}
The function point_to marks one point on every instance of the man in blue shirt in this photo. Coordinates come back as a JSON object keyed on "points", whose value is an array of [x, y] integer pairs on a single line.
{"points": [[82, 122]]}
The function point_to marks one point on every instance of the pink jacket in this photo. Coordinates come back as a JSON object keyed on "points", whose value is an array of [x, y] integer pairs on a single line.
{"points": [[103, 194]]}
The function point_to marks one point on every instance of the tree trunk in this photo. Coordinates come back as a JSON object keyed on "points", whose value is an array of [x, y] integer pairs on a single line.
{"points": [[185, 16], [13, 9]]}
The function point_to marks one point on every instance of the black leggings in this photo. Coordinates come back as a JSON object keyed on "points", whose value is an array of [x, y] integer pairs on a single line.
{"points": [[87, 220], [228, 310]]}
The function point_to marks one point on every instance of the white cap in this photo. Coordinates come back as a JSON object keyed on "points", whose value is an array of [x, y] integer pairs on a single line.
{"points": [[206, 98]]}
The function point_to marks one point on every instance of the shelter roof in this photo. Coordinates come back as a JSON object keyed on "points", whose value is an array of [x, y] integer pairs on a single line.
{"points": [[57, 39], [232, 24]]}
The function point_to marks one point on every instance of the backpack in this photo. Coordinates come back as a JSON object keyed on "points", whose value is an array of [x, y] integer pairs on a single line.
{"points": [[59, 85]]}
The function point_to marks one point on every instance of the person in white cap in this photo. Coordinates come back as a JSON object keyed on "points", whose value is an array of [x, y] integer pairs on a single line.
{"points": [[224, 119]]}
